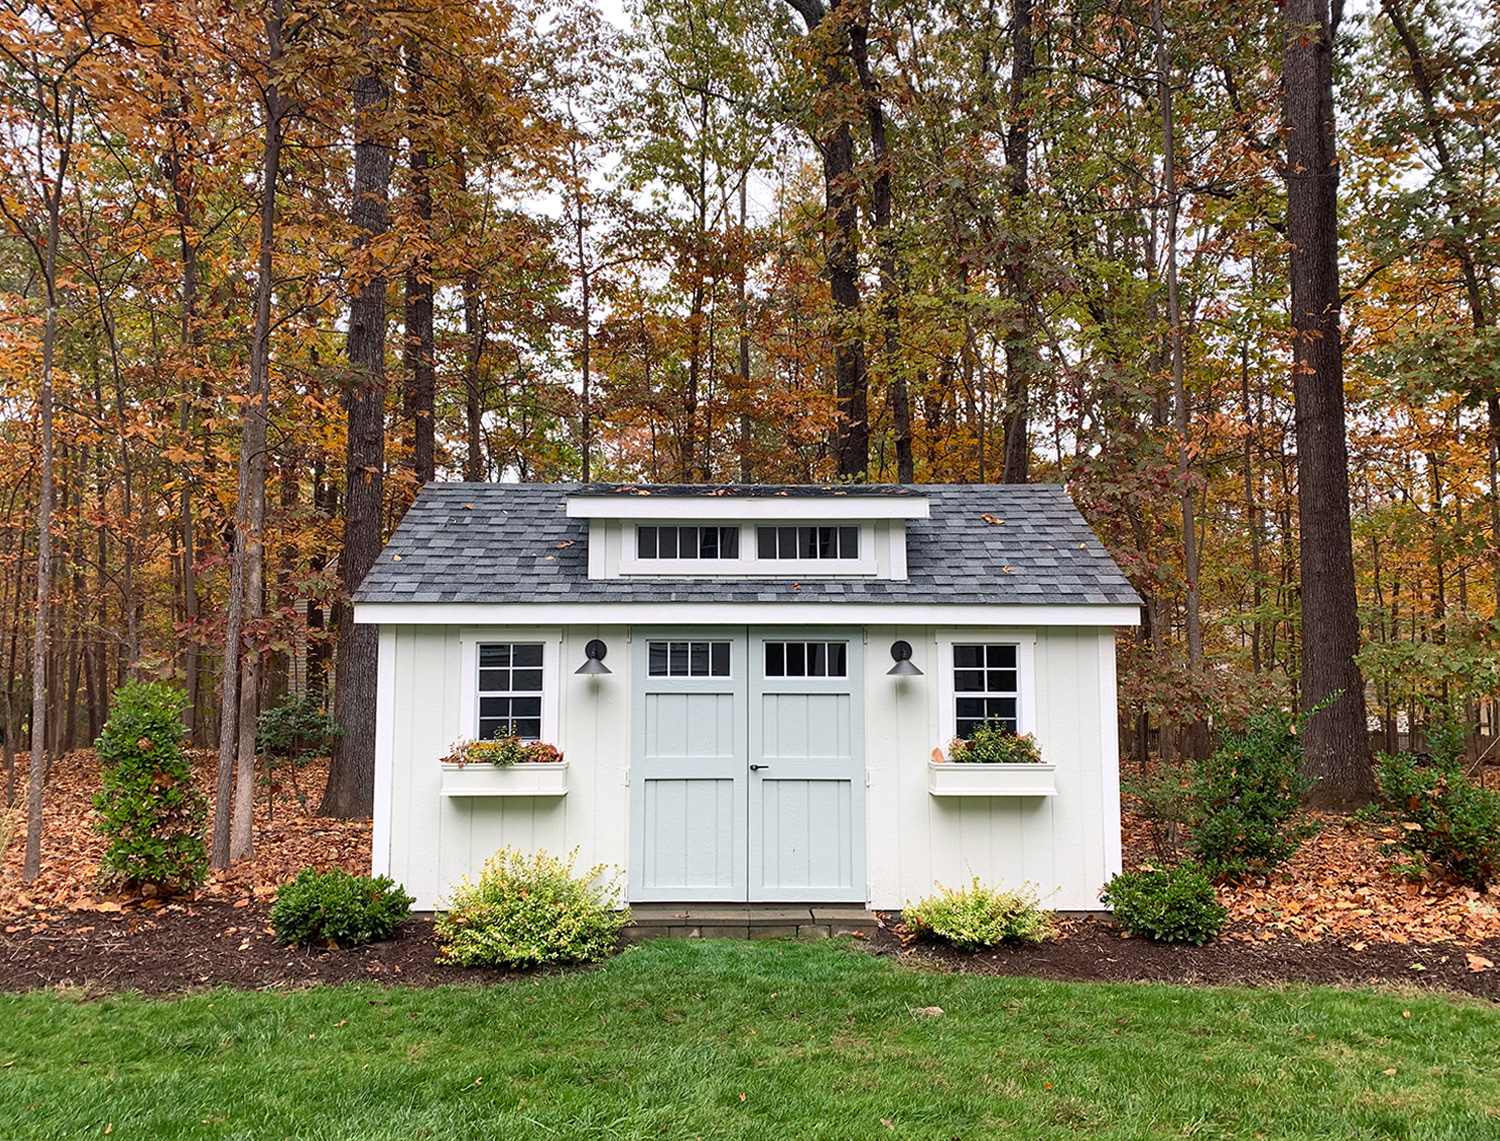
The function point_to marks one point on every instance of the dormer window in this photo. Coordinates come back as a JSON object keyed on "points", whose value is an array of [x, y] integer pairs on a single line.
{"points": [[687, 542], [807, 542]]}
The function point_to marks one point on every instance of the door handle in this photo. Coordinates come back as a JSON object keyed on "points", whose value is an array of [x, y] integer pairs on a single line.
{"points": [[757, 768]]}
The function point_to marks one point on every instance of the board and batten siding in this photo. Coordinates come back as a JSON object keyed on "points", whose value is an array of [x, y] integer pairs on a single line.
{"points": [[1067, 844]]}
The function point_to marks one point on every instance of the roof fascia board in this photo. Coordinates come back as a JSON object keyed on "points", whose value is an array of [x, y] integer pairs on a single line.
{"points": [[717, 507], [739, 613]]}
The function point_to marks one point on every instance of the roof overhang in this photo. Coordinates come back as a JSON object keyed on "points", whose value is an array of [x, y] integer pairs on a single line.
{"points": [[739, 507], [739, 613]]}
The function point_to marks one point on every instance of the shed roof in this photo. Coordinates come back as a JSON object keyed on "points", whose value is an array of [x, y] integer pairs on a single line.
{"points": [[514, 543]]}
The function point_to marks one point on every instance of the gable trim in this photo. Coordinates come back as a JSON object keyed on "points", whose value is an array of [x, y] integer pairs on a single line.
{"points": [[737, 613]]}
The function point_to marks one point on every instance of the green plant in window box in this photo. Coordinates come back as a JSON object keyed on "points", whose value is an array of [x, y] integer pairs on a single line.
{"points": [[500, 751], [991, 745]]}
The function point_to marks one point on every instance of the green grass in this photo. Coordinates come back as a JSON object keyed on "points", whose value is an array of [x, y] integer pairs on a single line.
{"points": [[743, 1040]]}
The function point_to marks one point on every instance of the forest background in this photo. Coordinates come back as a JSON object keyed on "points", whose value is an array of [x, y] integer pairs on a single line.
{"points": [[269, 266]]}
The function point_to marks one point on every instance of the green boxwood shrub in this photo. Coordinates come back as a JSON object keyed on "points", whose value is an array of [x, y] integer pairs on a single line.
{"points": [[148, 806], [334, 907], [530, 910], [1446, 819], [1175, 905], [980, 916], [1245, 799]]}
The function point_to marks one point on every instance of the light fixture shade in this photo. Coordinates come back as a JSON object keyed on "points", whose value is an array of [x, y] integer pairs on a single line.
{"points": [[904, 667], [595, 651]]}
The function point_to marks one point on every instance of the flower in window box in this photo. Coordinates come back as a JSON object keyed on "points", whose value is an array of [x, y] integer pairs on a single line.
{"points": [[991, 745], [500, 751]]}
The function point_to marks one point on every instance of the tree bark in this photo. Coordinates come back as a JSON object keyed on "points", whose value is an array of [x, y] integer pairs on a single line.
{"points": [[1020, 350], [420, 349], [351, 776], [1335, 745]]}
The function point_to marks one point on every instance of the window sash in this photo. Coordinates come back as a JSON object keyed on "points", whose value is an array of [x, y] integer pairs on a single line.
{"points": [[986, 687], [509, 688]]}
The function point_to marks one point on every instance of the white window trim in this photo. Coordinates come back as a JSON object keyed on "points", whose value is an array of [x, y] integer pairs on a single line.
{"points": [[1025, 643], [749, 564], [841, 505], [469, 641]]}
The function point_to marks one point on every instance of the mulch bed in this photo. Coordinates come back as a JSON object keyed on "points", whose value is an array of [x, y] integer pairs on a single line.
{"points": [[191, 947]]}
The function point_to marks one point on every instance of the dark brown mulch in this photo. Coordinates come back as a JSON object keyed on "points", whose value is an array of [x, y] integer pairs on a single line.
{"points": [[209, 944], [197, 946], [1093, 950]]}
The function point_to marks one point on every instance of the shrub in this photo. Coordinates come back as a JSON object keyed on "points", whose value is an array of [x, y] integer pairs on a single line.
{"points": [[1246, 797], [148, 806], [502, 752], [1445, 818], [991, 745], [1176, 905], [337, 908], [527, 910], [979, 916], [1163, 798], [290, 735]]}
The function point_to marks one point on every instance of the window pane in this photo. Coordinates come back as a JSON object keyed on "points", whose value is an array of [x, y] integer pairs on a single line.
{"points": [[526, 681], [807, 542], [525, 706], [645, 542], [765, 542], [838, 659], [492, 681], [527, 728], [786, 542], [968, 657], [489, 730], [796, 659], [677, 659], [970, 707], [687, 542], [708, 543], [698, 659], [968, 681], [656, 659], [720, 659], [823, 542], [1001, 707], [527, 655], [1002, 681], [1002, 656], [817, 659], [666, 542], [494, 707], [848, 542], [494, 656], [729, 542], [776, 659]]}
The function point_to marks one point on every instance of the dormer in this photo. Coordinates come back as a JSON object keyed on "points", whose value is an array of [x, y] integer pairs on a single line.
{"points": [[748, 532]]}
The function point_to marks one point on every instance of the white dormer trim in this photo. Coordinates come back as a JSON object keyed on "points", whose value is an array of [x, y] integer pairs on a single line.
{"points": [[741, 508]]}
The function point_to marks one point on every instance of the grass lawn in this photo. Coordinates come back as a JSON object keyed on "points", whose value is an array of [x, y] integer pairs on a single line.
{"points": [[682, 1040]]}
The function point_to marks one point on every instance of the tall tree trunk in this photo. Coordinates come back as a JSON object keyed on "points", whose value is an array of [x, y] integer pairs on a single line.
{"points": [[1335, 746], [1020, 349], [351, 776], [473, 355], [743, 345], [420, 349], [835, 140]]}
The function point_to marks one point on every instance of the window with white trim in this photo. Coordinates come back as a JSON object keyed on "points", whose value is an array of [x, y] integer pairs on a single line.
{"points": [[807, 542], [510, 690], [677, 542], [986, 687]]}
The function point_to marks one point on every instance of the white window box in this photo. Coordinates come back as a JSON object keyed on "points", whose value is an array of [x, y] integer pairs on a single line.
{"points": [[512, 780], [949, 779]]}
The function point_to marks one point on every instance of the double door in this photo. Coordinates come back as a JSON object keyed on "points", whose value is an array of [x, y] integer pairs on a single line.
{"points": [[747, 765]]}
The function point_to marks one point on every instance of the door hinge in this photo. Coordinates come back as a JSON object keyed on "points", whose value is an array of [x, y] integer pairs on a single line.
{"points": [[869, 778], [627, 774]]}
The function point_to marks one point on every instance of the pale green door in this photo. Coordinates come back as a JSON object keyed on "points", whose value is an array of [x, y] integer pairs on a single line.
{"points": [[747, 766], [807, 768]]}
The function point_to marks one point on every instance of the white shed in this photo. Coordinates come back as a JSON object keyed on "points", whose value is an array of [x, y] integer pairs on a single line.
{"points": [[748, 685]]}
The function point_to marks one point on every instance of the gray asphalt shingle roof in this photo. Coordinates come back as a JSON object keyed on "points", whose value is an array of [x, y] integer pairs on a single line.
{"points": [[503, 543]]}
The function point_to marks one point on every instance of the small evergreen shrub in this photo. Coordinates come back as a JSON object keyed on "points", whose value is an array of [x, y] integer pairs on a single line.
{"points": [[1175, 905], [1164, 799], [149, 807], [1446, 819], [334, 907], [980, 916], [289, 736], [529, 910], [1246, 797], [991, 745]]}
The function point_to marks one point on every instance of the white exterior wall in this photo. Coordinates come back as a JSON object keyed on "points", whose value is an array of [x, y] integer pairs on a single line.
{"points": [[1069, 842]]}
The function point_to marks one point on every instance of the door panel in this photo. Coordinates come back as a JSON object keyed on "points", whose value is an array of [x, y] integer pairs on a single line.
{"points": [[688, 772], [807, 839]]}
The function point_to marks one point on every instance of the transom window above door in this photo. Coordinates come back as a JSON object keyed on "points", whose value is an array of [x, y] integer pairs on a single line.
{"points": [[687, 659], [510, 690], [986, 687], [807, 659]]}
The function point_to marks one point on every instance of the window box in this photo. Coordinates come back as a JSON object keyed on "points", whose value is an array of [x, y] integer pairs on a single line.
{"points": [[949, 779], [546, 779]]}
